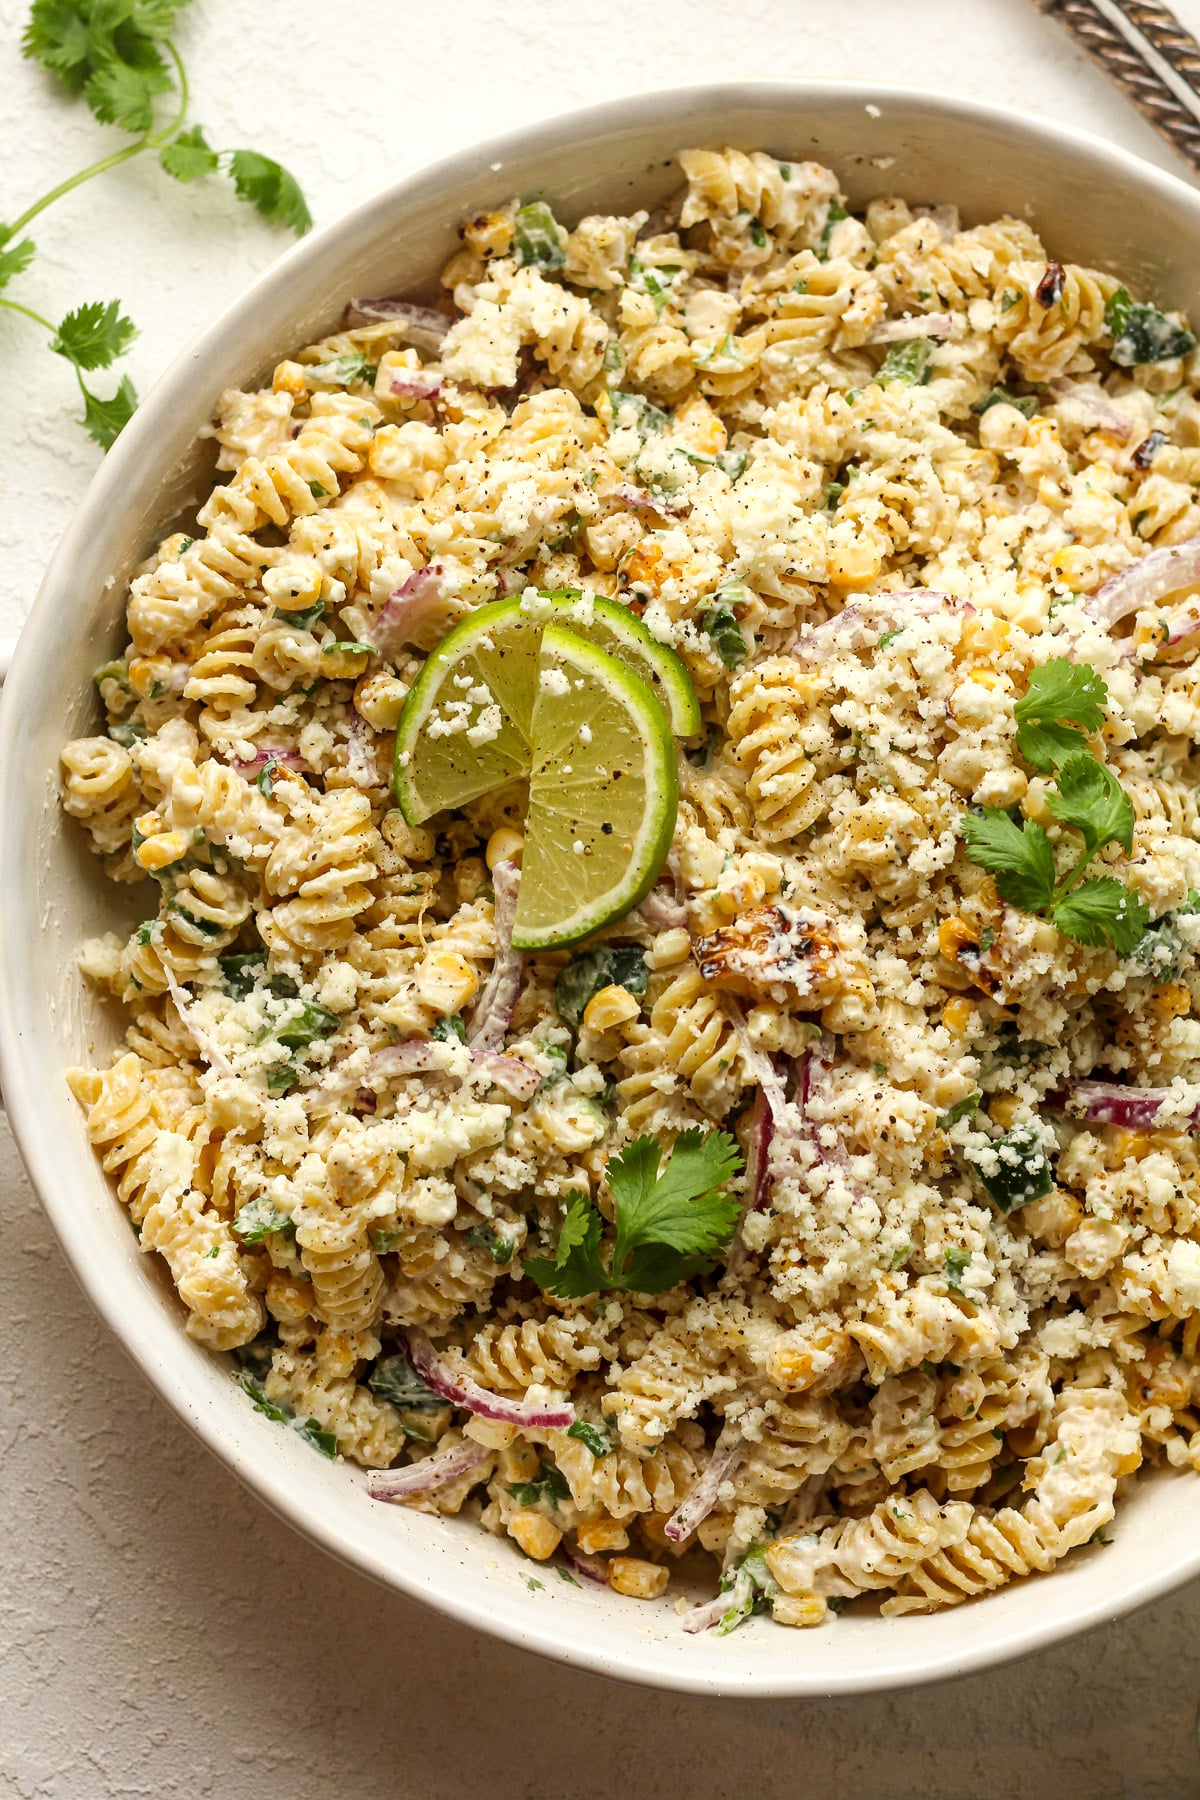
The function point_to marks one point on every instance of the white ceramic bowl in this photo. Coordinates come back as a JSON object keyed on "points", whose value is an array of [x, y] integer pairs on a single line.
{"points": [[1090, 203]]}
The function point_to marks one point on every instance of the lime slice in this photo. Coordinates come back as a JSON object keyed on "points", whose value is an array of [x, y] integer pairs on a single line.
{"points": [[614, 628], [465, 728], [603, 792]]}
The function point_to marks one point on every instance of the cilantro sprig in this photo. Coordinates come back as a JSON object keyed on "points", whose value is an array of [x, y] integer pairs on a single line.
{"points": [[669, 1224], [1064, 701], [119, 56]]}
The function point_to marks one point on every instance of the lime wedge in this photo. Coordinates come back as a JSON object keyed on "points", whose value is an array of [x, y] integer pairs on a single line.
{"points": [[465, 728], [615, 628], [603, 792], [507, 694]]}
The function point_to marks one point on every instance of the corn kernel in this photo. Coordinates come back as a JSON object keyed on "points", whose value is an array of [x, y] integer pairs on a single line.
{"points": [[958, 1016], [535, 1534], [1003, 1109], [1172, 1001], [149, 676], [161, 851], [490, 233], [490, 1433], [504, 845], [341, 664], [611, 1006], [640, 1580], [853, 565], [986, 678], [954, 935], [519, 1462], [289, 379], [603, 1533], [799, 1609], [446, 980], [290, 1298], [380, 699], [669, 947]]}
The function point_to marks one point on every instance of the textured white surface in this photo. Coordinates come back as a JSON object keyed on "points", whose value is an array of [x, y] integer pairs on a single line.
{"points": [[162, 1634]]}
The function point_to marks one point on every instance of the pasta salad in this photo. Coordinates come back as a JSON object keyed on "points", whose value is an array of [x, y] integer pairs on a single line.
{"points": [[818, 1206]]}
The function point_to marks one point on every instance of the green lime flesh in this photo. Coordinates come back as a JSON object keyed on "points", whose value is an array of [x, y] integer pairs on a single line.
{"points": [[603, 794]]}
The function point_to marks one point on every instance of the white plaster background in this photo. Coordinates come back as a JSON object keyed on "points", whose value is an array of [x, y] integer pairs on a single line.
{"points": [[160, 1633]]}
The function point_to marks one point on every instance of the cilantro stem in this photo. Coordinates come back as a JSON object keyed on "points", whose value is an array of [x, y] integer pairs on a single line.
{"points": [[74, 181], [151, 141], [15, 306]]}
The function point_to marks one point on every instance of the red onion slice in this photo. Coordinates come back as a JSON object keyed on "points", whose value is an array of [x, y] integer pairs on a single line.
{"points": [[287, 759], [641, 501], [590, 1567], [758, 1154], [1107, 1103], [414, 384], [424, 1057], [421, 325], [360, 755], [918, 325], [216, 1059], [498, 995], [1085, 403], [727, 1453], [857, 628], [707, 1614], [1147, 582], [441, 1470], [414, 610], [661, 911], [460, 1390]]}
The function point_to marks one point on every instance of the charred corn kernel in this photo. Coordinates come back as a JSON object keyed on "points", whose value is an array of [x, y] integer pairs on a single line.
{"points": [[640, 1580], [290, 1298], [799, 1609], [954, 935], [1136, 1144], [957, 1016], [647, 567], [535, 1534], [854, 564], [1172, 1001], [289, 379], [446, 980], [611, 1006], [160, 851], [380, 698], [504, 845], [149, 676], [519, 1462], [490, 1433], [489, 233], [669, 948], [338, 663], [1004, 1109], [603, 1533]]}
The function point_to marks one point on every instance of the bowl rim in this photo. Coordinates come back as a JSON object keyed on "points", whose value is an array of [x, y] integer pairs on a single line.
{"points": [[36, 642]]}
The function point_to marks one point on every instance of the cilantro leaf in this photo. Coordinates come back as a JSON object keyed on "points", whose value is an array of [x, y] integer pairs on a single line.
{"points": [[123, 94], [1103, 912], [596, 1439], [668, 1224], [1060, 694], [80, 40], [189, 156], [684, 1207], [15, 261], [1092, 801], [1019, 856], [1142, 334], [94, 335], [267, 186], [104, 420], [576, 1268]]}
